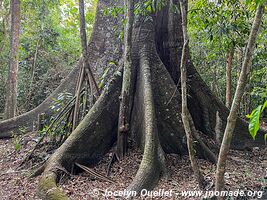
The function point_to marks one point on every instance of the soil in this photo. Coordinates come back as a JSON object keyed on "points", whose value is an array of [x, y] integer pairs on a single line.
{"points": [[245, 171]]}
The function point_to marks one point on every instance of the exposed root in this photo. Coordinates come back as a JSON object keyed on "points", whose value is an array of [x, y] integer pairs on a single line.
{"points": [[27, 120], [92, 138], [205, 115], [199, 90], [206, 149], [218, 129], [156, 119], [38, 171], [153, 162], [48, 188], [168, 109], [56, 121]]}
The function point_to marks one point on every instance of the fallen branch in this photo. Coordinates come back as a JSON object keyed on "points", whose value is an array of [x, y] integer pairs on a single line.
{"points": [[77, 101], [95, 174]]}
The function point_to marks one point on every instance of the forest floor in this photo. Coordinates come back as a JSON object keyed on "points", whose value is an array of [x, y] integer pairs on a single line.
{"points": [[245, 171]]}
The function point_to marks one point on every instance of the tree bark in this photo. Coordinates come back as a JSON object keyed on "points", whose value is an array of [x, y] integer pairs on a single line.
{"points": [[229, 61], [11, 93], [127, 84], [153, 161], [232, 118]]}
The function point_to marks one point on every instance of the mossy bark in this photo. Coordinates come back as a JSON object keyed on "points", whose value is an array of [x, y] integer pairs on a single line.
{"points": [[48, 188]]}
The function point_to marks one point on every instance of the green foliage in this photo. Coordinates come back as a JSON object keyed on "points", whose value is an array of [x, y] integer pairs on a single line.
{"points": [[58, 127], [114, 11], [49, 47], [225, 24], [59, 102], [16, 140], [214, 29], [4, 50], [254, 120], [143, 8], [257, 2]]}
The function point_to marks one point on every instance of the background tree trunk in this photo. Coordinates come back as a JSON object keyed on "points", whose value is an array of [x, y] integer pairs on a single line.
{"points": [[85, 68], [11, 93], [229, 61]]}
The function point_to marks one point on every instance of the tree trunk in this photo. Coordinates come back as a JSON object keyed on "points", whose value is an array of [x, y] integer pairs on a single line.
{"points": [[155, 119], [186, 116], [232, 118], [11, 93], [127, 84], [229, 61]]}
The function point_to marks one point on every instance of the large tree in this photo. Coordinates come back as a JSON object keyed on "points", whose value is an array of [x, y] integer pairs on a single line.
{"points": [[155, 121]]}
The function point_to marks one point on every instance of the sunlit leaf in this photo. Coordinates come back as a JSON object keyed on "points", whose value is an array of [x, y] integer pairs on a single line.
{"points": [[254, 122]]}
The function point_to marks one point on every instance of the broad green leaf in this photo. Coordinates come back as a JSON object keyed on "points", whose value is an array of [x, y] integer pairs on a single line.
{"points": [[254, 122], [265, 138]]}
